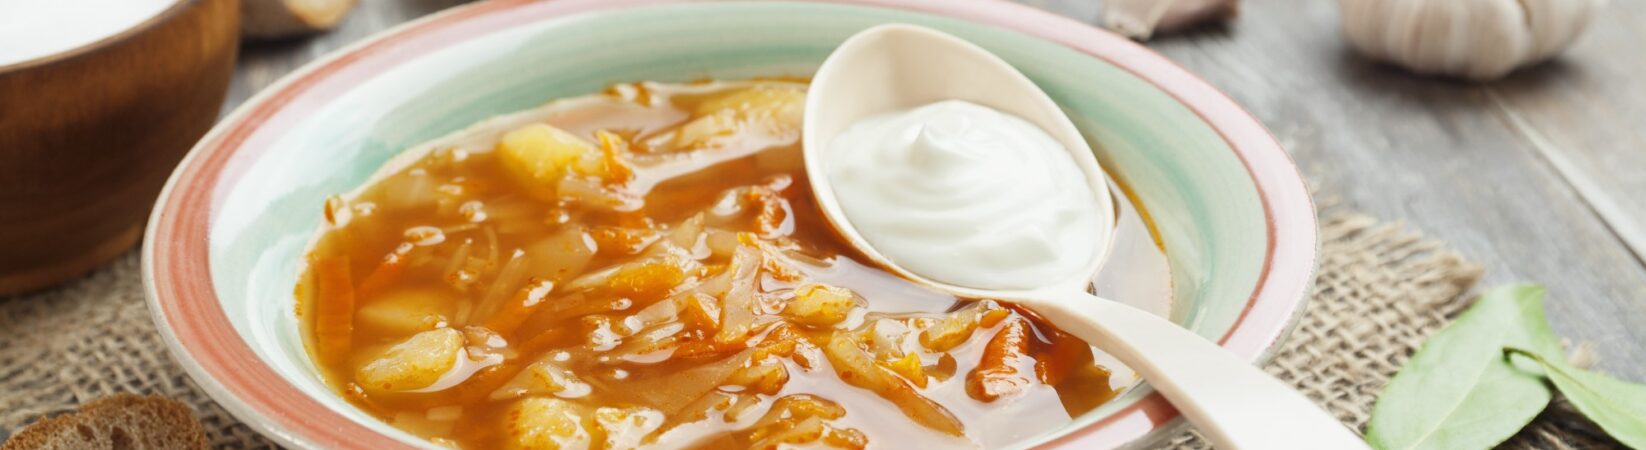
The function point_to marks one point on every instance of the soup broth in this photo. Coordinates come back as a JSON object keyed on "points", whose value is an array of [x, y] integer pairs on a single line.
{"points": [[646, 268]]}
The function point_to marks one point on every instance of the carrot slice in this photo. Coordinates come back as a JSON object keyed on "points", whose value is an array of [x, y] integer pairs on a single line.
{"points": [[1057, 354], [334, 308], [1001, 373], [1053, 365], [773, 217], [386, 272], [381, 277]]}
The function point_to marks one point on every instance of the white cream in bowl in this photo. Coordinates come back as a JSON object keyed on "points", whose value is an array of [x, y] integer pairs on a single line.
{"points": [[33, 29], [966, 195]]}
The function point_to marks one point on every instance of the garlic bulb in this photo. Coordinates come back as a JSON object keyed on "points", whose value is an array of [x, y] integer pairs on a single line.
{"points": [[1139, 19], [277, 19], [1475, 39]]}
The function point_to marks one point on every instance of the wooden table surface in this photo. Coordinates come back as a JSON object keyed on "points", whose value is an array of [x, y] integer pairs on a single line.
{"points": [[1539, 177]]}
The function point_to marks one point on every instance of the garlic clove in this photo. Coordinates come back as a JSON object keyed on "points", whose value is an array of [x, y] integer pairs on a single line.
{"points": [[1483, 39], [1555, 24], [1141, 19], [1474, 39], [278, 19]]}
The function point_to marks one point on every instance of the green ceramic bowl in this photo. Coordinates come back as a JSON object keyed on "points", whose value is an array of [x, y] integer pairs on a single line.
{"points": [[222, 250]]}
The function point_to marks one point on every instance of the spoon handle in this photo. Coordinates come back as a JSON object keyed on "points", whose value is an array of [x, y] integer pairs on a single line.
{"points": [[1234, 405]]}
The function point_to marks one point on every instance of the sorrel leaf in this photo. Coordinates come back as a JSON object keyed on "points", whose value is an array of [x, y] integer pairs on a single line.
{"points": [[1618, 406], [1460, 392]]}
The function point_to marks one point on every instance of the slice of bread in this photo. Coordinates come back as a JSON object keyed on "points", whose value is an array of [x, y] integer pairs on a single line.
{"points": [[121, 421]]}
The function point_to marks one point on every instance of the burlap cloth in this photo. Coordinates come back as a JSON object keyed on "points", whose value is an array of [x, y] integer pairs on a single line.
{"points": [[1381, 291]]}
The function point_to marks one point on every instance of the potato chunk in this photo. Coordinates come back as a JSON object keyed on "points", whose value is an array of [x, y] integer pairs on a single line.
{"points": [[541, 378], [538, 423], [627, 428], [404, 312], [771, 110], [821, 305], [414, 364], [643, 280], [538, 156], [782, 101], [957, 327]]}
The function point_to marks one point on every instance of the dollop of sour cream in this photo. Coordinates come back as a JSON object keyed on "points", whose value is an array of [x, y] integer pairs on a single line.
{"points": [[966, 195]]}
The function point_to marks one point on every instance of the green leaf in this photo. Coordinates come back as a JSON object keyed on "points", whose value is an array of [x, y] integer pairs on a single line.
{"points": [[1459, 392], [1533, 333], [1618, 406]]}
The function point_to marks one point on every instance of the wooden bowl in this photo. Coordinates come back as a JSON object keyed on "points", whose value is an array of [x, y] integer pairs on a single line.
{"points": [[89, 135]]}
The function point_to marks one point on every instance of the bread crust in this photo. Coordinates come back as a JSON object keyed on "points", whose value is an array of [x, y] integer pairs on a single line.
{"points": [[124, 421]]}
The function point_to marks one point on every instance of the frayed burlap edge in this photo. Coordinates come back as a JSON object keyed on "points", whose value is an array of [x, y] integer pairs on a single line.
{"points": [[1381, 290]]}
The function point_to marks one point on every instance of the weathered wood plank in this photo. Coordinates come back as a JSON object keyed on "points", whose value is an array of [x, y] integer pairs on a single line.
{"points": [[263, 63], [1586, 111], [1443, 156]]}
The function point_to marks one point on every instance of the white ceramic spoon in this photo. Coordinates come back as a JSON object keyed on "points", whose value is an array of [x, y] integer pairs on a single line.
{"points": [[896, 67]]}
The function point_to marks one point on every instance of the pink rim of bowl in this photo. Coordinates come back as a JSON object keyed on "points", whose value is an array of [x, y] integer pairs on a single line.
{"points": [[176, 269]]}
